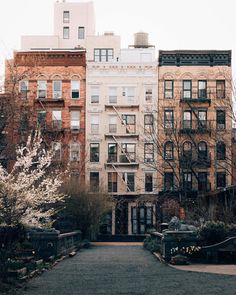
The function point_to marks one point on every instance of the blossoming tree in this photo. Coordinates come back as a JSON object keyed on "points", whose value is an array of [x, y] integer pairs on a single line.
{"points": [[29, 190]]}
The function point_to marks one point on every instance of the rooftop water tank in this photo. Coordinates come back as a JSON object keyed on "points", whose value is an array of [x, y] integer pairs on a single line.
{"points": [[141, 40]]}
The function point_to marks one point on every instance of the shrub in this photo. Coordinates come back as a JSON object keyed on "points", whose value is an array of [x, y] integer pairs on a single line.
{"points": [[212, 232], [231, 230], [151, 245]]}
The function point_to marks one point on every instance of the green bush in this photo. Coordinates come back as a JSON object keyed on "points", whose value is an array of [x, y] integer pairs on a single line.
{"points": [[151, 245], [231, 230], [212, 232]]}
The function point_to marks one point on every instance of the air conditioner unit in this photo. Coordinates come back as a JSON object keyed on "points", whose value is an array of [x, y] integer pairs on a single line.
{"points": [[56, 95]]}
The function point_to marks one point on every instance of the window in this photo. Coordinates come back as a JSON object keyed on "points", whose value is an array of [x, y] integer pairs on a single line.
{"points": [[220, 179], [168, 119], [220, 88], [128, 177], [74, 151], [129, 122], [168, 181], [202, 151], [128, 153], [75, 89], [169, 150], [112, 152], [141, 219], [202, 182], [66, 16], [187, 122], [103, 55], [75, 120], [148, 123], [81, 32], [148, 182], [187, 181], [148, 152], [94, 124], [202, 119], [24, 121], [112, 93], [187, 151], [187, 89], [94, 152], [56, 120], [220, 151], [94, 181], [56, 148], [112, 124], [94, 94], [66, 32], [42, 89], [129, 93], [112, 182], [24, 89], [168, 89], [148, 95], [202, 89], [42, 119], [57, 89], [220, 119]]}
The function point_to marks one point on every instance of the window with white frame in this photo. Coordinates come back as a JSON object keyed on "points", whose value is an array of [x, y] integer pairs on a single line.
{"points": [[112, 93], [56, 89], [129, 179], [81, 32], [56, 119], [56, 148], [75, 120], [148, 152], [23, 89], [148, 124], [112, 124], [94, 94], [66, 16], [66, 32], [148, 94], [74, 151], [129, 93], [94, 124], [42, 89], [75, 89]]}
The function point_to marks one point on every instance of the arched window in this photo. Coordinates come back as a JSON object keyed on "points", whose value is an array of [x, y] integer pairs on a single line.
{"points": [[187, 150], [220, 151], [202, 150], [169, 150]]}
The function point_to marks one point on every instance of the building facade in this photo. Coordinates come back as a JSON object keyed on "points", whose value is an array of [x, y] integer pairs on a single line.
{"points": [[50, 95], [195, 121], [121, 103]]}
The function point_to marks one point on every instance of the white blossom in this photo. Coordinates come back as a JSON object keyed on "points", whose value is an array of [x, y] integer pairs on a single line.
{"points": [[28, 191]]}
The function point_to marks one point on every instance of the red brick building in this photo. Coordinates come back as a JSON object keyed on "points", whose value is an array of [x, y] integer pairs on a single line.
{"points": [[48, 90]]}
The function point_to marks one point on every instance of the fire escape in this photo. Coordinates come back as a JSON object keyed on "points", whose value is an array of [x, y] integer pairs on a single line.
{"points": [[195, 107], [125, 128]]}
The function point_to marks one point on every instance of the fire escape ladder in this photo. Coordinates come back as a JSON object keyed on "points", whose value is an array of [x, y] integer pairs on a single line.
{"points": [[120, 176], [121, 120], [120, 146]]}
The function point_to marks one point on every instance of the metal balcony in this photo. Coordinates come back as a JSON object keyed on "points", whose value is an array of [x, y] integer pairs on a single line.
{"points": [[195, 127]]}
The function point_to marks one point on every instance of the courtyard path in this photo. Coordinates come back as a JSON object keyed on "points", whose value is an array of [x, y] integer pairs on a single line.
{"points": [[120, 269]]}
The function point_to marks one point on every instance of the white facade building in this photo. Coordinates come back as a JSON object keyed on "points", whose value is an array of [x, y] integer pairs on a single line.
{"points": [[121, 104], [74, 26]]}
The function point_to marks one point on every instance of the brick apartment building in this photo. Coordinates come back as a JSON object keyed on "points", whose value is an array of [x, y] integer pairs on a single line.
{"points": [[48, 89], [195, 121]]}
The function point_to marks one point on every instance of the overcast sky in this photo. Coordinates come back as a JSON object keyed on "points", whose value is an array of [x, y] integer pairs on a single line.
{"points": [[171, 24]]}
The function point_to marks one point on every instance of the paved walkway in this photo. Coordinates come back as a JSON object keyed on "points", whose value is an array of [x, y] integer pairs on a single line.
{"points": [[125, 270], [227, 269]]}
